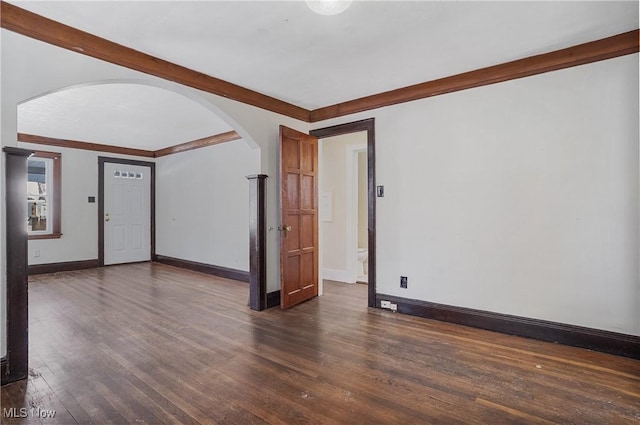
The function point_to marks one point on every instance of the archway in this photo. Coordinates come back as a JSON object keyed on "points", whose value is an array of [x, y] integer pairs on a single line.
{"points": [[187, 93]]}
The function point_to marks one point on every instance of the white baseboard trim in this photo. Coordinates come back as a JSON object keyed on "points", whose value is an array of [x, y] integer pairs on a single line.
{"points": [[337, 275]]}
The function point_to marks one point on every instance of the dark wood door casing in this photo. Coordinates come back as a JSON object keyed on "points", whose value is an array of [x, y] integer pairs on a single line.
{"points": [[101, 179], [367, 125]]}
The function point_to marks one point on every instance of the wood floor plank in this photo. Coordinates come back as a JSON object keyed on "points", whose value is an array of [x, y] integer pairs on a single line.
{"points": [[154, 344]]}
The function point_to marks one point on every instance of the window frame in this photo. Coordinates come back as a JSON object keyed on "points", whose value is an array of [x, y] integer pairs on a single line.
{"points": [[54, 196]]}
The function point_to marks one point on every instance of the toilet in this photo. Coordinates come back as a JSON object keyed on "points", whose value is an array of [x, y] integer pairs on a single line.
{"points": [[363, 253]]}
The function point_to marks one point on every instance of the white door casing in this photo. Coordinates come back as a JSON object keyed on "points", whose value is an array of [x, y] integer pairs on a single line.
{"points": [[127, 213], [351, 203]]}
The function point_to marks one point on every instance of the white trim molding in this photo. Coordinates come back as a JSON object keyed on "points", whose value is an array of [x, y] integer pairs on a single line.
{"points": [[337, 275]]}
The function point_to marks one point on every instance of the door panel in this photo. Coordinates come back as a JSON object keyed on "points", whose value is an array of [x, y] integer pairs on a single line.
{"points": [[307, 193], [118, 238], [117, 203], [137, 209], [306, 231], [127, 213], [293, 191], [298, 198], [292, 241], [136, 236]]}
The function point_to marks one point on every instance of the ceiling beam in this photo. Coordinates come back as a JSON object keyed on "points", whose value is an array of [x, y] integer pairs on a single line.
{"points": [[29, 24], [607, 48], [74, 144], [199, 143], [38, 27]]}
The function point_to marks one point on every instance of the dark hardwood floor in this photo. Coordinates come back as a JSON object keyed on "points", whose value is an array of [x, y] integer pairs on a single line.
{"points": [[153, 344]]}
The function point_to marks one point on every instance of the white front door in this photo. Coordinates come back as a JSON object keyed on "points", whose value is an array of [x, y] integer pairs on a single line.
{"points": [[127, 213]]}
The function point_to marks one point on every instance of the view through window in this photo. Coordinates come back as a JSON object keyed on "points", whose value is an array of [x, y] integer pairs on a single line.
{"points": [[38, 194], [43, 195]]}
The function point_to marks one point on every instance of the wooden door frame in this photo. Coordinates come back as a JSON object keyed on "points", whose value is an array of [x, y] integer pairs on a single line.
{"points": [[367, 125], [152, 207]]}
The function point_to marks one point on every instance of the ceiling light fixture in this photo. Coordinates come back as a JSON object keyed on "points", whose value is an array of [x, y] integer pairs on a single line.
{"points": [[328, 7]]}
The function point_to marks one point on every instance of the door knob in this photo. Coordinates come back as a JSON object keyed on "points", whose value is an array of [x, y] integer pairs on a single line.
{"points": [[106, 217], [284, 228]]}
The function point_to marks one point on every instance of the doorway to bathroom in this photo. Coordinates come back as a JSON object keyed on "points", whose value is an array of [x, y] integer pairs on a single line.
{"points": [[346, 204]]}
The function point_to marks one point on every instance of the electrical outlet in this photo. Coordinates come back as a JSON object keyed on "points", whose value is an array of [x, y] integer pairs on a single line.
{"points": [[36, 252], [394, 307], [385, 304], [403, 282]]}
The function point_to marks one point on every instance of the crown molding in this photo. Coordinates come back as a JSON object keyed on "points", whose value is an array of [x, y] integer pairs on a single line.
{"points": [[29, 24], [99, 147], [607, 48], [199, 143], [88, 146], [24, 22]]}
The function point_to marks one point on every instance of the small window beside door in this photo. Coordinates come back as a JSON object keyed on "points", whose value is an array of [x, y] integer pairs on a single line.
{"points": [[44, 195]]}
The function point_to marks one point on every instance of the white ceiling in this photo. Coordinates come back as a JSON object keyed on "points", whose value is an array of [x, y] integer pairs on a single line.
{"points": [[128, 115], [284, 50]]}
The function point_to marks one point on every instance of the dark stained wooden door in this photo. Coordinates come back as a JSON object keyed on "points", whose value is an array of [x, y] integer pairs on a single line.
{"points": [[299, 225]]}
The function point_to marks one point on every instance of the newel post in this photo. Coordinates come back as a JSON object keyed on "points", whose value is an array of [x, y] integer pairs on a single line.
{"points": [[15, 365], [257, 242]]}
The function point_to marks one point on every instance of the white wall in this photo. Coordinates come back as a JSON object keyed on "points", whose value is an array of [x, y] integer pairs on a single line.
{"points": [[334, 179], [79, 221], [262, 127], [194, 178], [202, 204], [31, 68], [518, 198]]}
